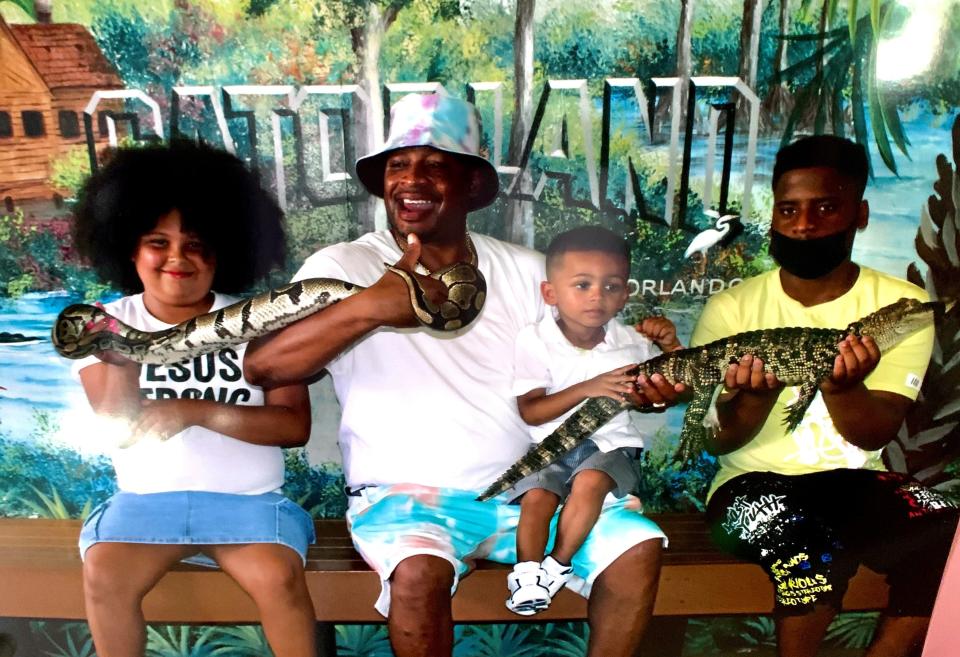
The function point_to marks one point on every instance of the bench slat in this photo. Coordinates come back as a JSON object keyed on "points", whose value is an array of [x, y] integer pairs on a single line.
{"points": [[40, 577]]}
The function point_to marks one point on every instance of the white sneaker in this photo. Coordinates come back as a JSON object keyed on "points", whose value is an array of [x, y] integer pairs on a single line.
{"points": [[557, 574], [528, 590]]}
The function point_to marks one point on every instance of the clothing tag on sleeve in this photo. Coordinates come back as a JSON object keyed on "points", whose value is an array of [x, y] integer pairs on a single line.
{"points": [[913, 381]]}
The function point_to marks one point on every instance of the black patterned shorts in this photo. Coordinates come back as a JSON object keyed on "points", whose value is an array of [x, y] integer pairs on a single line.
{"points": [[810, 533]]}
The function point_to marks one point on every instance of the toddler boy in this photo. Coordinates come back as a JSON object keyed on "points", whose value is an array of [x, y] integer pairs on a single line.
{"points": [[577, 352]]}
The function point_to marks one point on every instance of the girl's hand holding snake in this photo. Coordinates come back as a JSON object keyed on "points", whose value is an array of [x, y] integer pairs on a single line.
{"points": [[109, 357], [166, 417]]}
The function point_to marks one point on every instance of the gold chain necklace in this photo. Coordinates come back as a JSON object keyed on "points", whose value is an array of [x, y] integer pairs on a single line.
{"points": [[421, 269]]}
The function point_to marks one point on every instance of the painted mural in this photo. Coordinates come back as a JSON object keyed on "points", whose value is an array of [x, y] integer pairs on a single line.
{"points": [[657, 119]]}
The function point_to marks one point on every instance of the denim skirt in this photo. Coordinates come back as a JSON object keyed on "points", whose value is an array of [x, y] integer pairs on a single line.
{"points": [[198, 518]]}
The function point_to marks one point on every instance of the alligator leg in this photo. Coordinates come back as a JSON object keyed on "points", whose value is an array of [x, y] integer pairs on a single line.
{"points": [[798, 408], [693, 435]]}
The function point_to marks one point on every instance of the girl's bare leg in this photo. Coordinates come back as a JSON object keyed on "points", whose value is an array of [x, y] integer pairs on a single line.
{"points": [[116, 577], [273, 576]]}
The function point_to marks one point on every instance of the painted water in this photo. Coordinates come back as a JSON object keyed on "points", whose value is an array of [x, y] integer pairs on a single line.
{"points": [[34, 376]]}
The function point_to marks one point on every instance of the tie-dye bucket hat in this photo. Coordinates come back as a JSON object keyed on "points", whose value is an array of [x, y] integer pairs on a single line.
{"points": [[438, 121]]}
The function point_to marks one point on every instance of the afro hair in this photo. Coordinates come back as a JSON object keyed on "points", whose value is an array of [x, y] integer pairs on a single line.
{"points": [[217, 196]]}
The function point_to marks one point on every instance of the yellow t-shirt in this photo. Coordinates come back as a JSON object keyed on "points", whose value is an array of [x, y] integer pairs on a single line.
{"points": [[816, 445]]}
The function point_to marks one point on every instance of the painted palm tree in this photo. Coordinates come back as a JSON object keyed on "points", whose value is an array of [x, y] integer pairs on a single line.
{"points": [[929, 441], [844, 58]]}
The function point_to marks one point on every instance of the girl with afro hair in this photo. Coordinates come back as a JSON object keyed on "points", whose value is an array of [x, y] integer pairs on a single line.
{"points": [[178, 227]]}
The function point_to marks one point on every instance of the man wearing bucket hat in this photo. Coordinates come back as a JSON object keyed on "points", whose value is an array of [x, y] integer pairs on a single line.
{"points": [[429, 419]]}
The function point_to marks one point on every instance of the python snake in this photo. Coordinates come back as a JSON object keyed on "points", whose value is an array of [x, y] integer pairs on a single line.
{"points": [[251, 318]]}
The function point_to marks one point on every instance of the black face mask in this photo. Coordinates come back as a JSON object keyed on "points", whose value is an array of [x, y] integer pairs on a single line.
{"points": [[809, 259]]}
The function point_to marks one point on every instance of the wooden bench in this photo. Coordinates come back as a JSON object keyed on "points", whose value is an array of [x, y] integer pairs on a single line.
{"points": [[40, 578]]}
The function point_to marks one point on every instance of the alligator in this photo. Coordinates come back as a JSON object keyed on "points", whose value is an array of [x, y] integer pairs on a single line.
{"points": [[16, 339], [798, 356]]}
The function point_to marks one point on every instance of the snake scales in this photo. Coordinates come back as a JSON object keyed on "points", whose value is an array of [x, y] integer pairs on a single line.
{"points": [[251, 318]]}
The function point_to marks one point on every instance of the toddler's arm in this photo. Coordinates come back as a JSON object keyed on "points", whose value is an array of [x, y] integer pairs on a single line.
{"points": [[537, 407], [662, 331]]}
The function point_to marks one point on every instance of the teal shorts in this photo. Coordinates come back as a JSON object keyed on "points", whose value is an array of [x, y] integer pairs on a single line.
{"points": [[391, 523]]}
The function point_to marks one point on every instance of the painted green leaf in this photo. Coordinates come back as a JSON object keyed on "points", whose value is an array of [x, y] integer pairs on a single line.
{"points": [[852, 20], [875, 19], [892, 118], [877, 121], [831, 9], [857, 107]]}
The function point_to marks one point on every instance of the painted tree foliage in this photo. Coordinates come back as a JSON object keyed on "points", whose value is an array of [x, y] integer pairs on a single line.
{"points": [[845, 57]]}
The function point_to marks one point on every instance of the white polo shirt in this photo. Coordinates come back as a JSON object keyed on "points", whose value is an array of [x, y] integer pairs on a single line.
{"points": [[544, 358]]}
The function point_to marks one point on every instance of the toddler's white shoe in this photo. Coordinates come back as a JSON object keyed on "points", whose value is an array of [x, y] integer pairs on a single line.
{"points": [[528, 590], [557, 574]]}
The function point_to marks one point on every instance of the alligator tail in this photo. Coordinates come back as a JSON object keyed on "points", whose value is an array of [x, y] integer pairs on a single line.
{"points": [[588, 418]]}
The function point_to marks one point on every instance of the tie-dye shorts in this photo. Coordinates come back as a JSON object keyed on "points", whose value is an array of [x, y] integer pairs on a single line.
{"points": [[392, 523]]}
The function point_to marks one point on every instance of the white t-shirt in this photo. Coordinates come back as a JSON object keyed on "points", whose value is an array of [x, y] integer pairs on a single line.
{"points": [[546, 359], [427, 407], [196, 458]]}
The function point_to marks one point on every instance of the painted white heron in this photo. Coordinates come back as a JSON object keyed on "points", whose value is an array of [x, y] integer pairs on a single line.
{"points": [[711, 236]]}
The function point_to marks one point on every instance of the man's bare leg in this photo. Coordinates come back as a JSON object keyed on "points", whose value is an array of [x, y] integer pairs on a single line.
{"points": [[621, 601], [899, 636], [800, 636], [421, 619]]}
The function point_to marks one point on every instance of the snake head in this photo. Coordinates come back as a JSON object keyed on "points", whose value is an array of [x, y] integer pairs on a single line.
{"points": [[466, 293], [82, 330], [70, 328]]}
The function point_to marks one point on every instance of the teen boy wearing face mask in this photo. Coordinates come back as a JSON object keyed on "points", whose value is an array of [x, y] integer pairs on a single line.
{"points": [[810, 505]]}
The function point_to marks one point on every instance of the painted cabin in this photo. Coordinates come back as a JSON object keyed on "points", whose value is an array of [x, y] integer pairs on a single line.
{"points": [[48, 71]]}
